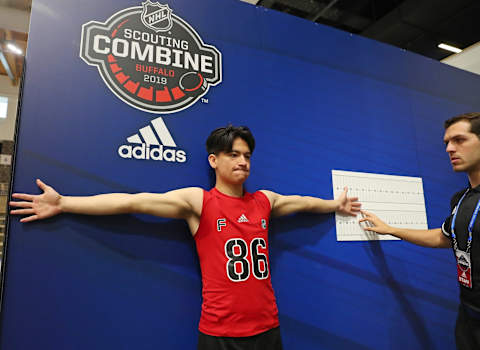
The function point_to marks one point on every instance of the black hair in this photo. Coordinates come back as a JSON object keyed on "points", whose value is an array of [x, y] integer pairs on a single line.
{"points": [[221, 139], [472, 118]]}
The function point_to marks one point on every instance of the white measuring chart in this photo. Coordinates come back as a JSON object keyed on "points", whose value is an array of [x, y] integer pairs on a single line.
{"points": [[397, 200]]}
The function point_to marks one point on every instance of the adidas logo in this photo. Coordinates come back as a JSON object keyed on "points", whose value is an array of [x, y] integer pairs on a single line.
{"points": [[152, 142], [462, 260], [242, 218]]}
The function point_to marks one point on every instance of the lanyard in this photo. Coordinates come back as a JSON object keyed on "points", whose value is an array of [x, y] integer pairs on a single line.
{"points": [[470, 225]]}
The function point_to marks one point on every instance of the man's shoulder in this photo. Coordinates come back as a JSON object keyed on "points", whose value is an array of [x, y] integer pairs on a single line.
{"points": [[193, 191], [192, 195], [456, 198], [268, 193], [269, 196]]}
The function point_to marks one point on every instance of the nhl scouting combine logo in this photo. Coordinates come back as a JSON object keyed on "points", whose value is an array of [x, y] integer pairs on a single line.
{"points": [[151, 59]]}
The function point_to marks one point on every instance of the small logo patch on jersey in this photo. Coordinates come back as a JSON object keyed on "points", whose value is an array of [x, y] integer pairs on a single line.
{"points": [[221, 223], [242, 218], [264, 224]]}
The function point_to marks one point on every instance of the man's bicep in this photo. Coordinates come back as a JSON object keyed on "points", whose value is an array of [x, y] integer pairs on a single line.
{"points": [[435, 238], [286, 205], [443, 240], [178, 204]]}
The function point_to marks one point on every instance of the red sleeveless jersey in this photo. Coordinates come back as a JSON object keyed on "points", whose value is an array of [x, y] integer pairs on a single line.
{"points": [[232, 245]]}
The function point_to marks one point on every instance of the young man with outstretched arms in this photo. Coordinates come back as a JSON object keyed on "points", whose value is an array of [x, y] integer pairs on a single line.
{"points": [[230, 228], [460, 230]]}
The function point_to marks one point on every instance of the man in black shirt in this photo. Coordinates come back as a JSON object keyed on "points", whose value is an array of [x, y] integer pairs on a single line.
{"points": [[460, 230]]}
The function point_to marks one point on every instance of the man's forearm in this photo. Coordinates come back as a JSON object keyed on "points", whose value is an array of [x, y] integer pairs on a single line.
{"points": [[286, 205], [427, 238], [102, 204], [319, 205]]}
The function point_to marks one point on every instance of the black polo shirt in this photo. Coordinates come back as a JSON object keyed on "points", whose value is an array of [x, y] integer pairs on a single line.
{"points": [[470, 297]]}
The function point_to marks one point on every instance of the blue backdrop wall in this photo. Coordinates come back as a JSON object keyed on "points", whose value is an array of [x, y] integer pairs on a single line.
{"points": [[316, 99]]}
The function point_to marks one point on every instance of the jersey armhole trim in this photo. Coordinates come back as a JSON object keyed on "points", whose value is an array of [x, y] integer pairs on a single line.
{"points": [[204, 200], [266, 200], [444, 231]]}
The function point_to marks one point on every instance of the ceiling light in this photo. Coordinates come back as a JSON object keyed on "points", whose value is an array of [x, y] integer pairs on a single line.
{"points": [[449, 48], [13, 48]]}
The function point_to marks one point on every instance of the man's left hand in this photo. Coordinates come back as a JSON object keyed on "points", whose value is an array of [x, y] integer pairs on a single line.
{"points": [[348, 205]]}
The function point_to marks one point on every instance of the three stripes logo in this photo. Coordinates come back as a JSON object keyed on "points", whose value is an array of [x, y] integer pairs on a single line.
{"points": [[242, 218], [153, 142]]}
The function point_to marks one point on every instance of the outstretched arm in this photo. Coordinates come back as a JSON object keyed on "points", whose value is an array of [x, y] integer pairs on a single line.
{"points": [[285, 205], [427, 238], [181, 203]]}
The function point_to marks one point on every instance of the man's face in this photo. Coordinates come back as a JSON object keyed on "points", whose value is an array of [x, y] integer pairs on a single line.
{"points": [[463, 147], [233, 167]]}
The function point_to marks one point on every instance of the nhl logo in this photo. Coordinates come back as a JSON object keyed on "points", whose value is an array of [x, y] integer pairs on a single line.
{"points": [[156, 16]]}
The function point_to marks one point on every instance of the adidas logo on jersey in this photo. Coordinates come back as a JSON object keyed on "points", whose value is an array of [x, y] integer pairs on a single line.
{"points": [[242, 218], [154, 144]]}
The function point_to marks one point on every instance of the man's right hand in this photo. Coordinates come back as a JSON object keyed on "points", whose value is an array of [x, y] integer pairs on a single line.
{"points": [[433, 238], [37, 207], [374, 223]]}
